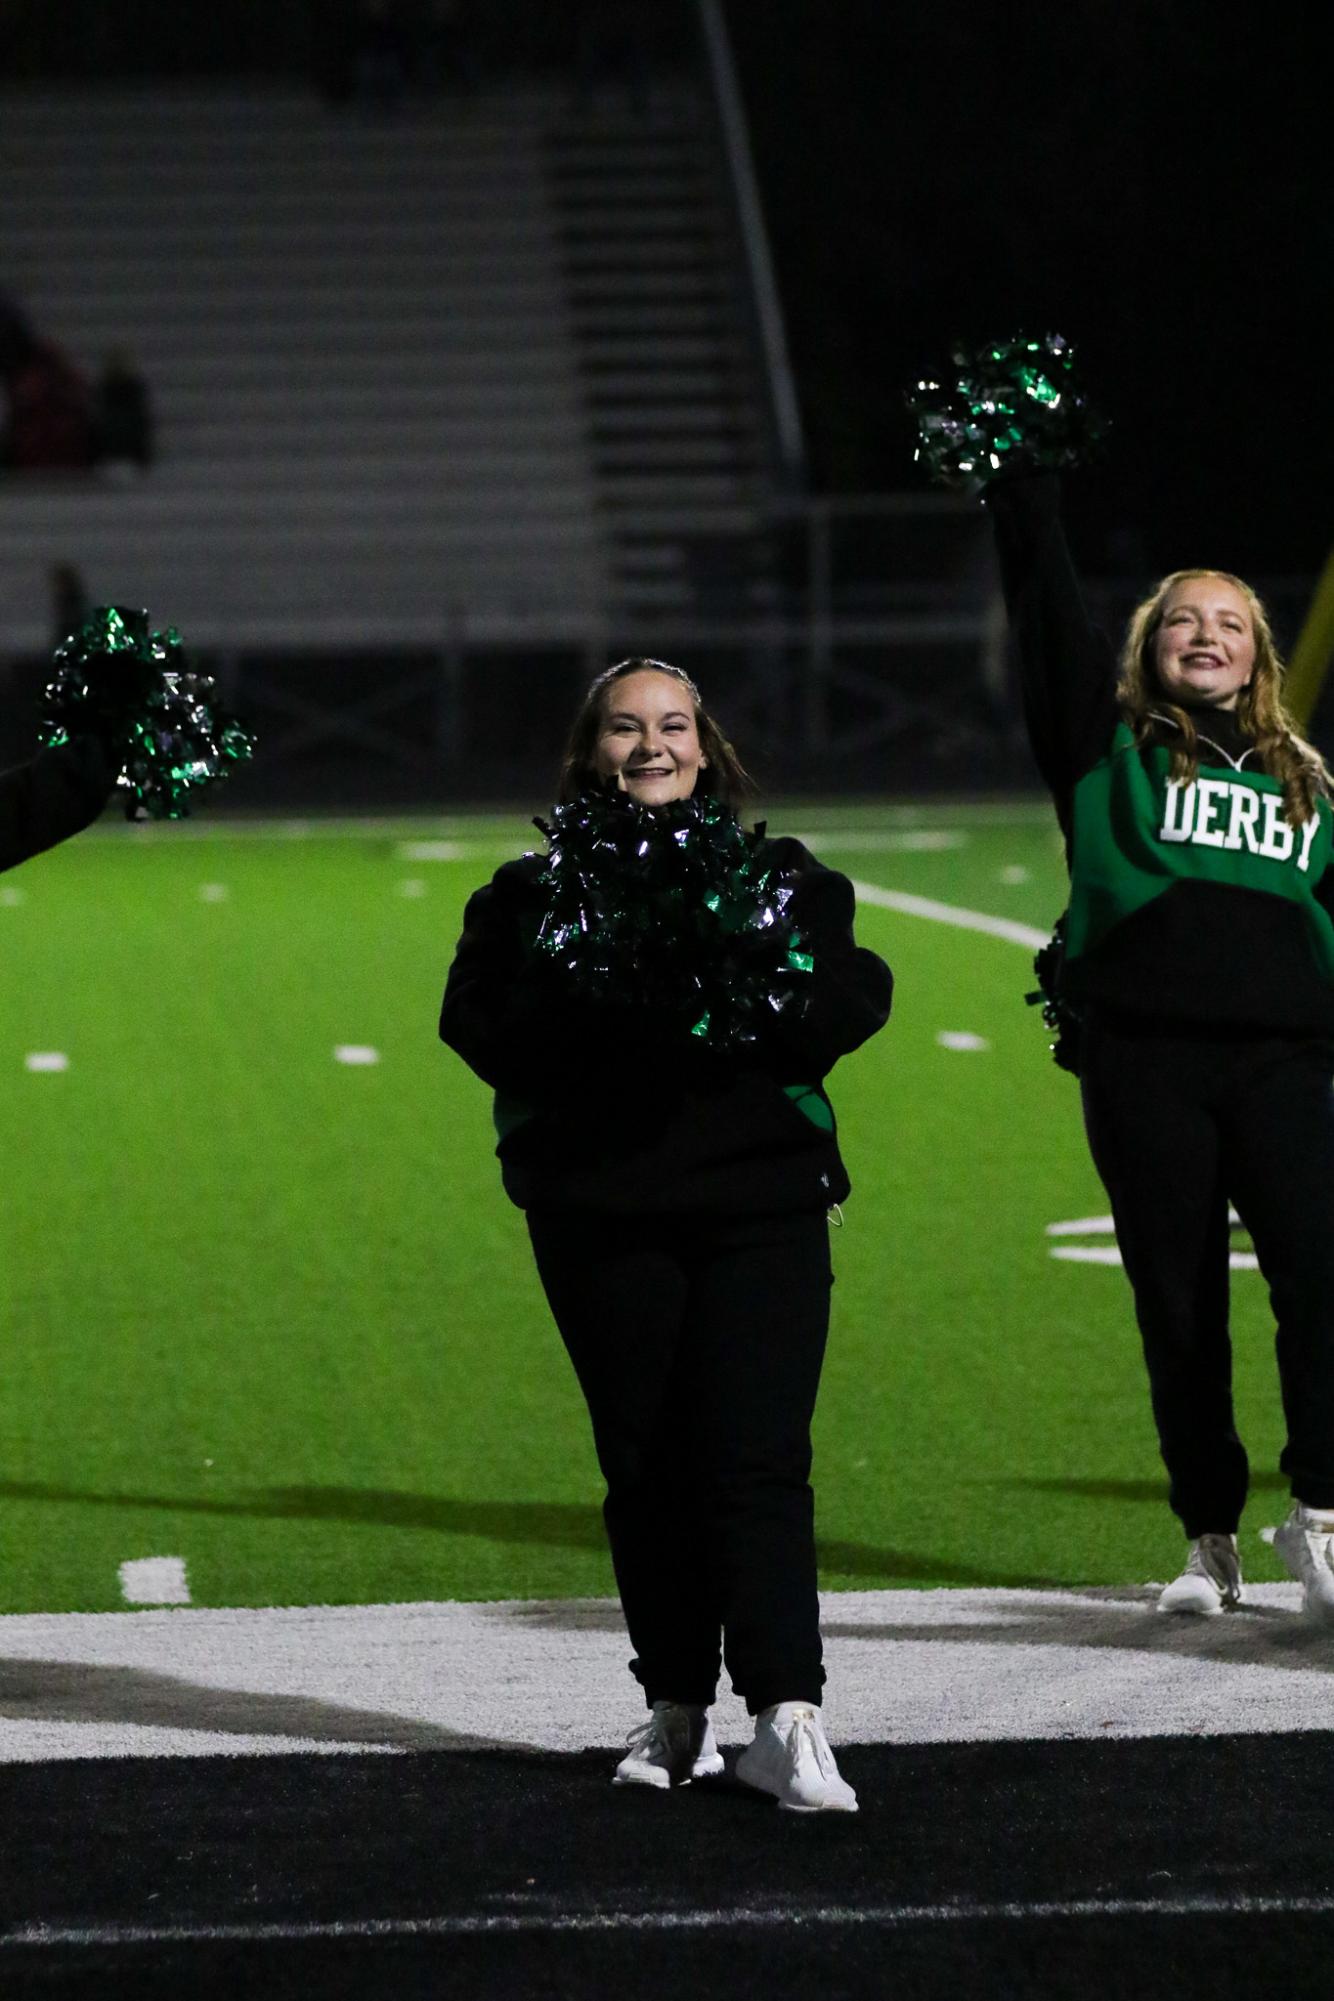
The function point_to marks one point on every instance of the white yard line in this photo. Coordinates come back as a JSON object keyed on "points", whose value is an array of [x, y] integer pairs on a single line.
{"points": [[905, 1667], [884, 841], [950, 913], [1108, 1254], [789, 1914]]}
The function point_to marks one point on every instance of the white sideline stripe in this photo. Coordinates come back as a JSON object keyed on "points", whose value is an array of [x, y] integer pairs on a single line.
{"points": [[1206, 1904], [950, 913], [154, 1580], [46, 1059], [871, 841], [952, 1665], [355, 1052]]}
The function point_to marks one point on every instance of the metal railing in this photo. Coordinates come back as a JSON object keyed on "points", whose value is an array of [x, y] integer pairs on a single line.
{"points": [[772, 337]]}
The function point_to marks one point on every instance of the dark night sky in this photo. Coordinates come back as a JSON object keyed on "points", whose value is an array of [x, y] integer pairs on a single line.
{"points": [[1153, 178]]}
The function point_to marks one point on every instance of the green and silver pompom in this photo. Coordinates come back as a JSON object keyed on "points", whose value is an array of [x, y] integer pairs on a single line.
{"points": [[161, 721], [672, 907], [1006, 406]]}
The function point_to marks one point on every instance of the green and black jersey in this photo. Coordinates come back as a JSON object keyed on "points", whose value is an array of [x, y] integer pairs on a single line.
{"points": [[1197, 902]]}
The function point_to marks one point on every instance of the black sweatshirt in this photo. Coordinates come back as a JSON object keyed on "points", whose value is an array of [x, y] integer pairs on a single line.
{"points": [[59, 793], [1188, 904], [620, 1110]]}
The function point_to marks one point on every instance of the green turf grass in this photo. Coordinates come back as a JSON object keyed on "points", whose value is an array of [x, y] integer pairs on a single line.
{"points": [[274, 1315]]}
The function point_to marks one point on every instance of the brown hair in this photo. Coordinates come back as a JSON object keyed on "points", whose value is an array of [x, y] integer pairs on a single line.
{"points": [[724, 776], [1283, 754]]}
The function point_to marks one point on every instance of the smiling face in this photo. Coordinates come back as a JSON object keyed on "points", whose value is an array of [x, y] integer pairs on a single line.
{"points": [[648, 739], [1204, 648]]}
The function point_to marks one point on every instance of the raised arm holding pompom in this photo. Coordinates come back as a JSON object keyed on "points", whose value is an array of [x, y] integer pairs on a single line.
{"points": [[125, 712], [1198, 961]]}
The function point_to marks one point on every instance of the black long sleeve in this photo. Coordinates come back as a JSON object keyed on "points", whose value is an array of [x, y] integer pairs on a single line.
{"points": [[515, 1021], [58, 794], [1067, 672], [512, 1023], [481, 1016], [851, 989]]}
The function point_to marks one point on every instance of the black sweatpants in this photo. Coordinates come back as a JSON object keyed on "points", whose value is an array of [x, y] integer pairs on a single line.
{"points": [[1178, 1122], [698, 1345]]}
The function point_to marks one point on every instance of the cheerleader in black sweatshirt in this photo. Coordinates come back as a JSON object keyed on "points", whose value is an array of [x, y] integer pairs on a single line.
{"points": [[676, 1199], [1200, 957]]}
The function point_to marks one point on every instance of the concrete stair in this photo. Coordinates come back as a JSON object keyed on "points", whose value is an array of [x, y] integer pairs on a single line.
{"points": [[361, 356], [675, 409]]}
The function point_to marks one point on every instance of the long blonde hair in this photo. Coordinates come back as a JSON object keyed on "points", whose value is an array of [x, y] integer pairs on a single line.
{"points": [[1282, 752]]}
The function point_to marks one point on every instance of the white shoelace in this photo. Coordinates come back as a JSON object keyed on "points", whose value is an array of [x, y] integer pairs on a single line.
{"points": [[802, 1737], [648, 1737], [1220, 1565]]}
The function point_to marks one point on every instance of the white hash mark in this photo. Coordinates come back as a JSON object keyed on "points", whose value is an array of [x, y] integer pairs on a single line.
{"points": [[154, 1580], [430, 851]]}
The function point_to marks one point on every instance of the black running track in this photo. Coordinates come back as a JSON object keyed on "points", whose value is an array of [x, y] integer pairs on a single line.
{"points": [[1162, 1867]]}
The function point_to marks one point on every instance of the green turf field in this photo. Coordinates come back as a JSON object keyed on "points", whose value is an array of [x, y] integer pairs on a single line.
{"points": [[271, 1313]]}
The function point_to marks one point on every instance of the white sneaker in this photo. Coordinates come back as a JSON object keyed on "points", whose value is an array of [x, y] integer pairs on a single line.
{"points": [[1305, 1541], [791, 1759], [1211, 1580], [676, 1745]]}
